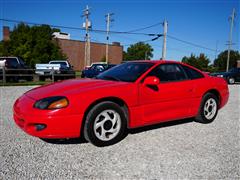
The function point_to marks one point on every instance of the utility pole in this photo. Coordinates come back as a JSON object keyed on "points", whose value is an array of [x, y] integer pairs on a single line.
{"points": [[230, 38], [164, 49], [216, 50], [87, 25], [108, 20]]}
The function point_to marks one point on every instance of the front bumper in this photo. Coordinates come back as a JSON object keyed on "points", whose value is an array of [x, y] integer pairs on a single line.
{"points": [[57, 125]]}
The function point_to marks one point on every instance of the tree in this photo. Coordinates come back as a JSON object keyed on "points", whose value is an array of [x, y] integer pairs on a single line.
{"points": [[4, 48], [34, 44], [201, 62], [138, 51], [221, 62]]}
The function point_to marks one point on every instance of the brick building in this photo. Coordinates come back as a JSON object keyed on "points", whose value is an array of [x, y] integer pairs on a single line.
{"points": [[75, 50], [6, 33]]}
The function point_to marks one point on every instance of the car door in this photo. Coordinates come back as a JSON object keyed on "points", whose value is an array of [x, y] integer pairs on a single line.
{"points": [[170, 99]]}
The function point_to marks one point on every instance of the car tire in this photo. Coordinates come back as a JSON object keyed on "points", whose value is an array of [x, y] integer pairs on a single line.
{"points": [[105, 124], [208, 109], [231, 80]]}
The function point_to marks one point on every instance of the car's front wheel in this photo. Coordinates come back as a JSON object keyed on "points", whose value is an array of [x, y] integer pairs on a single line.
{"points": [[105, 124], [208, 109]]}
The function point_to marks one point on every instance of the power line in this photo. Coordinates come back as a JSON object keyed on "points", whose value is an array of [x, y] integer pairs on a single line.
{"points": [[149, 40], [186, 51], [190, 43], [132, 32], [77, 28], [147, 27], [139, 41]]}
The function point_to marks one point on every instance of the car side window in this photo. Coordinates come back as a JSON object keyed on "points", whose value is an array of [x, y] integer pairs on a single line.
{"points": [[168, 73], [191, 73]]}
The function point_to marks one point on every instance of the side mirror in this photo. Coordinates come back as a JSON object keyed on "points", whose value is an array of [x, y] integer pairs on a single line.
{"points": [[152, 81]]}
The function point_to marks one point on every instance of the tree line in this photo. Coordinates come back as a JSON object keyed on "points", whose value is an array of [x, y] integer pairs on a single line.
{"points": [[36, 45], [202, 62], [144, 51], [33, 43]]}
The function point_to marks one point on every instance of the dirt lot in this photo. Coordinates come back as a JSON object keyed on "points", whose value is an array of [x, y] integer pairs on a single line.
{"points": [[168, 151]]}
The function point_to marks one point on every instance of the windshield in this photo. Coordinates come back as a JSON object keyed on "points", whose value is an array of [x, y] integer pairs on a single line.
{"points": [[128, 72]]}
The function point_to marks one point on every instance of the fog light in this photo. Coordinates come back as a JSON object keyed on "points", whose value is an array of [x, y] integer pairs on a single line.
{"points": [[40, 127]]}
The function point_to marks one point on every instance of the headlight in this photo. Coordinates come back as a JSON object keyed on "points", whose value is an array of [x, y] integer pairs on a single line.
{"points": [[56, 102], [220, 75]]}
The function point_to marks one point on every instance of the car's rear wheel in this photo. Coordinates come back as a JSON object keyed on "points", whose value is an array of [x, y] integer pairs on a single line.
{"points": [[231, 80], [105, 124], [208, 109]]}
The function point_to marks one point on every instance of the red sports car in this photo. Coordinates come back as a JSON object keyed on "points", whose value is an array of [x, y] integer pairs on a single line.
{"points": [[129, 95]]}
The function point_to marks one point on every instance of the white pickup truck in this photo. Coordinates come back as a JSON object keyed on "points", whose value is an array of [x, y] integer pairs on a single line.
{"points": [[60, 69]]}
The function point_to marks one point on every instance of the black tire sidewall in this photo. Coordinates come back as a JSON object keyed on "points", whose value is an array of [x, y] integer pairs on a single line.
{"points": [[201, 117], [93, 113]]}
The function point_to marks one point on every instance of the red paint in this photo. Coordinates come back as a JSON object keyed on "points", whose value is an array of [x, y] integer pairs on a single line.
{"points": [[172, 101]]}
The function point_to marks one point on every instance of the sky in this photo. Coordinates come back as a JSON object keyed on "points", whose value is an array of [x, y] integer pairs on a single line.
{"points": [[202, 22]]}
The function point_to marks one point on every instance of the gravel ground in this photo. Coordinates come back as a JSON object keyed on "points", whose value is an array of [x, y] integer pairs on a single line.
{"points": [[170, 151]]}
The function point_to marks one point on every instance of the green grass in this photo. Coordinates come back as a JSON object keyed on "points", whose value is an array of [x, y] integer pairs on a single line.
{"points": [[78, 73], [25, 83], [33, 83], [29, 83]]}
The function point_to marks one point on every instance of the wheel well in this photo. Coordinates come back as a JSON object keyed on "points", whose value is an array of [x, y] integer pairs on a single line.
{"points": [[216, 93], [116, 100]]}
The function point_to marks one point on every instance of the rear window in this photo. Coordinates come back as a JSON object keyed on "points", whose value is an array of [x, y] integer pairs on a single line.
{"points": [[191, 73], [59, 62]]}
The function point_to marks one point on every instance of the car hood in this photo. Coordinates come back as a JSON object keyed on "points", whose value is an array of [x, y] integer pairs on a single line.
{"points": [[68, 86]]}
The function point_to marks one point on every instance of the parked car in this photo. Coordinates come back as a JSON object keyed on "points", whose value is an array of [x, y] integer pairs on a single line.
{"points": [[61, 69], [87, 67], [15, 69], [95, 69], [130, 95], [232, 76]]}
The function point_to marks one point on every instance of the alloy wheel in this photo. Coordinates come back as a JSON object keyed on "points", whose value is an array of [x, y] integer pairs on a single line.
{"points": [[107, 125]]}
